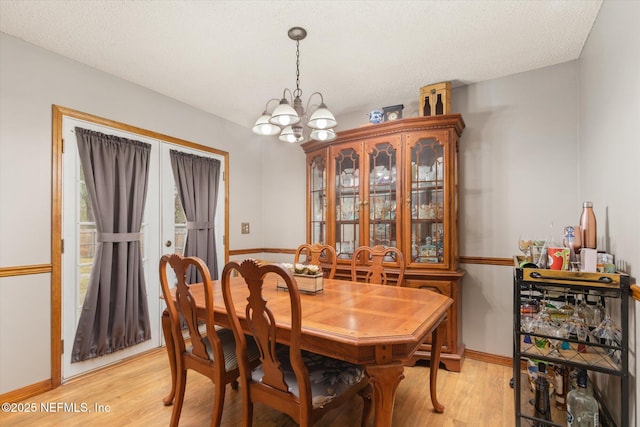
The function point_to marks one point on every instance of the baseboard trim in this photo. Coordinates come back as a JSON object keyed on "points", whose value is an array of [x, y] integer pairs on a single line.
{"points": [[130, 359], [26, 392], [488, 357]]}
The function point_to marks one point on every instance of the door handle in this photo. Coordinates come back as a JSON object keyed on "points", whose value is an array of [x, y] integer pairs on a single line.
{"points": [[168, 244]]}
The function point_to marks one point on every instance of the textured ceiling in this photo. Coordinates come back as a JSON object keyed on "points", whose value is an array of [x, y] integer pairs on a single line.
{"points": [[230, 57]]}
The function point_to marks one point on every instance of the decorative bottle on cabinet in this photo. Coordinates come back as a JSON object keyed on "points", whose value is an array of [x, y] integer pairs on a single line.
{"points": [[582, 407], [427, 107], [588, 226]]}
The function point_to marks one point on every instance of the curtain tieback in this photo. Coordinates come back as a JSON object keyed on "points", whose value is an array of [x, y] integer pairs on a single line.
{"points": [[202, 225], [118, 237]]}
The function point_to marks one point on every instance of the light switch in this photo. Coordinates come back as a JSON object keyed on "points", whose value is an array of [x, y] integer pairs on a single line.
{"points": [[245, 228]]}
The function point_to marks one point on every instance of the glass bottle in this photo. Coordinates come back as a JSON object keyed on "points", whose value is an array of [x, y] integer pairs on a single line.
{"points": [[582, 407], [542, 404], [561, 386], [588, 226], [427, 107], [439, 105]]}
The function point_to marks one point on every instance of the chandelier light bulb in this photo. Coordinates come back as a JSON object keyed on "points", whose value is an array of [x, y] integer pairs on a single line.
{"points": [[284, 120], [289, 135], [263, 127], [322, 118], [323, 135]]}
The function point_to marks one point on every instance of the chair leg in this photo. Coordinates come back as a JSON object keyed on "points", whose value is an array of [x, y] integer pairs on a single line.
{"points": [[247, 407], [218, 402], [179, 399], [168, 338], [367, 404]]}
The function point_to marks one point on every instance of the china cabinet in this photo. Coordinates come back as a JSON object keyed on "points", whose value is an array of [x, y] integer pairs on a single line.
{"points": [[394, 184], [570, 320]]}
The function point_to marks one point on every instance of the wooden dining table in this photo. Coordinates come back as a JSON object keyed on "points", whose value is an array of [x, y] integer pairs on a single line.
{"points": [[379, 327]]}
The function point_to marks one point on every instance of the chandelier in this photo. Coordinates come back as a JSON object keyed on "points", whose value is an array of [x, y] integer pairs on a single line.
{"points": [[286, 120]]}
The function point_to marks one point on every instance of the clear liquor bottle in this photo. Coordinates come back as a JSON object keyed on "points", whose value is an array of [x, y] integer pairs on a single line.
{"points": [[582, 407]]}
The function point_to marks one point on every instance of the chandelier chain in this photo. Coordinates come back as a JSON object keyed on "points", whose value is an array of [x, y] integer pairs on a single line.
{"points": [[297, 92]]}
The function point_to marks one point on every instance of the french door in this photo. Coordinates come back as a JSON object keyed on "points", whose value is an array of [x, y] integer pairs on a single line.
{"points": [[163, 231]]}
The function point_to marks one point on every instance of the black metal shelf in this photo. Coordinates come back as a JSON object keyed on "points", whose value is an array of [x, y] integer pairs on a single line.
{"points": [[608, 358]]}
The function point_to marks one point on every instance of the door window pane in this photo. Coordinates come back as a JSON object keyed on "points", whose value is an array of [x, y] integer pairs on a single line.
{"points": [[180, 223]]}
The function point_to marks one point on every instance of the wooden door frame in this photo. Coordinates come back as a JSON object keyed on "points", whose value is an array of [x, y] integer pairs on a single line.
{"points": [[56, 214]]}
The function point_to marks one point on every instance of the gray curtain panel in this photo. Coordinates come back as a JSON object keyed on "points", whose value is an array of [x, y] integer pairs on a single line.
{"points": [[114, 314], [197, 180]]}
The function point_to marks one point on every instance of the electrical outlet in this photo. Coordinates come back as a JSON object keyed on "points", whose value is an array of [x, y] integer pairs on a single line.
{"points": [[245, 227]]}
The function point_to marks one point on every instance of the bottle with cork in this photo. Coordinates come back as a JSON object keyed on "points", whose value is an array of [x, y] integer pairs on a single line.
{"points": [[588, 226], [588, 255]]}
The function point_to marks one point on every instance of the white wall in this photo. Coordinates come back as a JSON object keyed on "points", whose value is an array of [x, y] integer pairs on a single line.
{"points": [[31, 81], [284, 192], [518, 174], [25, 341], [609, 147]]}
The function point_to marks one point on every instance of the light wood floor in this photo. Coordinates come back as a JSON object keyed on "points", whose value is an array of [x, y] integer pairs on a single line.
{"points": [[478, 396]]}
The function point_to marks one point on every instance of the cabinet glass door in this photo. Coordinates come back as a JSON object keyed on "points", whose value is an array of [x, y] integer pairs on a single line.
{"points": [[347, 202], [427, 181], [381, 196], [317, 198]]}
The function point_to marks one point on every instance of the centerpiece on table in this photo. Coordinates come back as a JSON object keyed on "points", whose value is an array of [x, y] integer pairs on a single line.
{"points": [[309, 277]]}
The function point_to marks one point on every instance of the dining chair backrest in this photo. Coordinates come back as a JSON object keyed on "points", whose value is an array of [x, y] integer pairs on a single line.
{"points": [[185, 305], [210, 353], [377, 262], [283, 380], [318, 254]]}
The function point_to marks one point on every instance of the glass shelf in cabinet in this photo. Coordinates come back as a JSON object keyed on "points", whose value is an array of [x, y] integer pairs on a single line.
{"points": [[419, 185], [385, 188], [347, 191], [378, 220]]}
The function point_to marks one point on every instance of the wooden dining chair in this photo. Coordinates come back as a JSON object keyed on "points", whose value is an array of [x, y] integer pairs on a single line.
{"points": [[212, 354], [283, 381], [318, 254], [376, 261]]}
